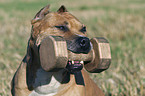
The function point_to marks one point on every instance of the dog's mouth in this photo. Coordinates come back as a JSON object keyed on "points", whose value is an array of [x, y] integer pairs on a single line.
{"points": [[74, 66]]}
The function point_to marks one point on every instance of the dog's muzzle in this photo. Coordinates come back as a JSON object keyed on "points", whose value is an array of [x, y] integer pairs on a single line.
{"points": [[79, 45]]}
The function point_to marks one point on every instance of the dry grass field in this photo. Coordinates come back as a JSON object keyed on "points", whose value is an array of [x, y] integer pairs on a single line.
{"points": [[122, 22]]}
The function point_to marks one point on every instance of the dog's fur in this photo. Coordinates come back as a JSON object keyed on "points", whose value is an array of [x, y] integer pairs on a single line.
{"points": [[30, 79]]}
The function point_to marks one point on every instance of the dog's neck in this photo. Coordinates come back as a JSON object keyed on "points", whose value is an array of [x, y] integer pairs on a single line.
{"points": [[47, 82]]}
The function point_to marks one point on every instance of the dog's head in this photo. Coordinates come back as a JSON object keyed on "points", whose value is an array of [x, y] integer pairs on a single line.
{"points": [[60, 23]]}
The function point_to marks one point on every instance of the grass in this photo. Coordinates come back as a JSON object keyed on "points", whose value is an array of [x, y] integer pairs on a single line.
{"points": [[120, 21]]}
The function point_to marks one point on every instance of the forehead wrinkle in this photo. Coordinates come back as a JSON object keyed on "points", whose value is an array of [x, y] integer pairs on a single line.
{"points": [[54, 19], [74, 24]]}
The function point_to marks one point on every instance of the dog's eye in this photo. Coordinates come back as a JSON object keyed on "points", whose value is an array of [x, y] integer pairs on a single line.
{"points": [[63, 28], [83, 30]]}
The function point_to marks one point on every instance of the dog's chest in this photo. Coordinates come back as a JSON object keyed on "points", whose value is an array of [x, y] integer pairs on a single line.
{"points": [[46, 83]]}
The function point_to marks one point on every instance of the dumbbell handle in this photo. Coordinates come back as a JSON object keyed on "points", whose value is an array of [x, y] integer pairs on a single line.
{"points": [[81, 57]]}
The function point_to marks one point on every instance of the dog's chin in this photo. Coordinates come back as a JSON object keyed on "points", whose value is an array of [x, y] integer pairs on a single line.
{"points": [[74, 66]]}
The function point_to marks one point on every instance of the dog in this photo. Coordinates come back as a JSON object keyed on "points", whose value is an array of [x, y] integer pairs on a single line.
{"points": [[31, 80]]}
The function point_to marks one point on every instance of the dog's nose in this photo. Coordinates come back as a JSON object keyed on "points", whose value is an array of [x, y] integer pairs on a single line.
{"points": [[84, 43]]}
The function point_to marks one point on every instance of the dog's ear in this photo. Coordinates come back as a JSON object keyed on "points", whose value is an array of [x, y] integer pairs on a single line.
{"points": [[62, 9], [44, 11]]}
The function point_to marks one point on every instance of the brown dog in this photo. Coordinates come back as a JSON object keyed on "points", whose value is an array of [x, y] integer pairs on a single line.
{"points": [[31, 80]]}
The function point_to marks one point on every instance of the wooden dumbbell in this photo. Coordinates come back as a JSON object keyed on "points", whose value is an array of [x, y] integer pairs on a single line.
{"points": [[54, 55]]}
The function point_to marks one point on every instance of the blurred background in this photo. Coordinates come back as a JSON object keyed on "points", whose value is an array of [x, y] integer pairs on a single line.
{"points": [[122, 22]]}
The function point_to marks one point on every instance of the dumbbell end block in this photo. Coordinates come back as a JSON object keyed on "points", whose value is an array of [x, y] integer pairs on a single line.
{"points": [[53, 53], [102, 66], [102, 57]]}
